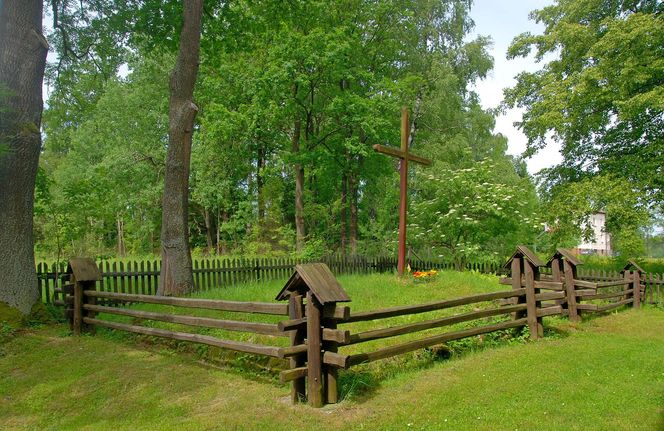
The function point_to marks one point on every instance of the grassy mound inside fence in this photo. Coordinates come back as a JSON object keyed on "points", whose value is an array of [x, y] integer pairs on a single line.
{"points": [[606, 374]]}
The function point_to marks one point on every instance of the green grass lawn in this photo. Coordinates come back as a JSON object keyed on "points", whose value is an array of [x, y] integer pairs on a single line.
{"points": [[606, 374]]}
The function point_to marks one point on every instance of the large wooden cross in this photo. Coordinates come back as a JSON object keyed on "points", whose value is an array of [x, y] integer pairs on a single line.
{"points": [[405, 156]]}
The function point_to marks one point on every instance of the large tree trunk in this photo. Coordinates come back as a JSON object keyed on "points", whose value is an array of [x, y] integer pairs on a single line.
{"points": [[23, 52], [353, 189], [344, 212], [260, 182], [176, 273], [299, 188]]}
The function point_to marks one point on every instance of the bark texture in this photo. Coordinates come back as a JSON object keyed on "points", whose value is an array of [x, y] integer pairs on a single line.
{"points": [[299, 188], [23, 52], [176, 271]]}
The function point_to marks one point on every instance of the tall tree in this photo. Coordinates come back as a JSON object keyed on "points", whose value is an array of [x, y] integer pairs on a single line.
{"points": [[176, 271], [23, 52], [601, 94]]}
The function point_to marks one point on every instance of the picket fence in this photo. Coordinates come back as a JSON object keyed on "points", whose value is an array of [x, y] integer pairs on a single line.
{"points": [[142, 277]]}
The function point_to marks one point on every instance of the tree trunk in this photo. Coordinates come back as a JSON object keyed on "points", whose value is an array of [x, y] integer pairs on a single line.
{"points": [[208, 230], [299, 188], [120, 228], [176, 271], [260, 182], [222, 248], [23, 52], [344, 211], [352, 185]]}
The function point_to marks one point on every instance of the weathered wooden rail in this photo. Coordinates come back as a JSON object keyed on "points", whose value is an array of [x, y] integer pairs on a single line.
{"points": [[315, 318]]}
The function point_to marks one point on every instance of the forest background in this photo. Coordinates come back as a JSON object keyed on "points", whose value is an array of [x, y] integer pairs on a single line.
{"points": [[292, 96]]}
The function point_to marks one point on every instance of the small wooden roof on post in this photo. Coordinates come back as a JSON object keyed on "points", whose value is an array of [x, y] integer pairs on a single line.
{"points": [[84, 269], [632, 265], [525, 252], [317, 278], [563, 253]]}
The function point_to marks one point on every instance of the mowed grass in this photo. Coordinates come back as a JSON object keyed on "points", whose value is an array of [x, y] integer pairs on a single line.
{"points": [[606, 373]]}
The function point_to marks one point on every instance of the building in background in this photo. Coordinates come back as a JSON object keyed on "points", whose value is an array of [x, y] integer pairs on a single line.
{"points": [[601, 243]]}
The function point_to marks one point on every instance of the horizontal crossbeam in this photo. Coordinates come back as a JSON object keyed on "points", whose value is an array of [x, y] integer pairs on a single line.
{"points": [[395, 152]]}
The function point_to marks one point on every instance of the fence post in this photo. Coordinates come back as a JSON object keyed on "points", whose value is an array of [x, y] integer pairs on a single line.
{"points": [[531, 273], [636, 284], [314, 353], [570, 288], [297, 336], [84, 274], [330, 373], [516, 284]]}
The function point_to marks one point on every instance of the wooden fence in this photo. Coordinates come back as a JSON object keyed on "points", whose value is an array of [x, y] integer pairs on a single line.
{"points": [[142, 277], [316, 316]]}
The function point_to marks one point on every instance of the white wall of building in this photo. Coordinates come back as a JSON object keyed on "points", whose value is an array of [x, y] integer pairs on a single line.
{"points": [[601, 244]]}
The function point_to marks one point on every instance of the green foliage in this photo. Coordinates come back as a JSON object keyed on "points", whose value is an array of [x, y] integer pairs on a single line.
{"points": [[476, 213], [340, 71], [600, 92], [570, 206]]}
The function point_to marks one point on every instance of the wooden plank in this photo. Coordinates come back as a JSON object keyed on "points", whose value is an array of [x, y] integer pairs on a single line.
{"points": [[398, 153], [549, 311], [149, 289], [585, 284], [314, 357], [603, 284], [376, 334], [157, 275], [204, 322], [340, 336], [336, 360], [237, 346], [589, 297], [432, 306], [539, 284], [618, 304], [399, 349], [298, 373], [130, 278], [209, 304], [115, 277], [293, 351], [122, 278], [548, 296], [586, 307]]}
